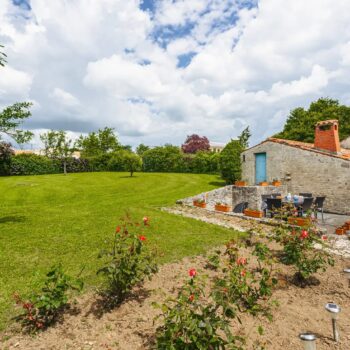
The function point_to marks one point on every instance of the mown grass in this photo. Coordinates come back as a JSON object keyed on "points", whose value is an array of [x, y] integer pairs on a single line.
{"points": [[57, 218]]}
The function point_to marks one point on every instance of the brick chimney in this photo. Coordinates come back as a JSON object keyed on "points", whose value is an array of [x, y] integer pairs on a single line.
{"points": [[327, 136]]}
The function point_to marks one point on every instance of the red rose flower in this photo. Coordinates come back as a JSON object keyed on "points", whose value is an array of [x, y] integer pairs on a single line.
{"points": [[304, 234], [243, 273], [142, 238], [241, 261], [324, 238], [191, 297], [192, 272], [117, 230]]}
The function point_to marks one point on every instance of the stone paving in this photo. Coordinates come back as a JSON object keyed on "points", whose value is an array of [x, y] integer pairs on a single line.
{"points": [[339, 245]]}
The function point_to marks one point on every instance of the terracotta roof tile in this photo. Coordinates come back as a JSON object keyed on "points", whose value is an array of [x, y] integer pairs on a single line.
{"points": [[344, 154]]}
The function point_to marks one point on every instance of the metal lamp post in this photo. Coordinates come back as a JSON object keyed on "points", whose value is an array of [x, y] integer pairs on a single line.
{"points": [[308, 340], [347, 274], [334, 310]]}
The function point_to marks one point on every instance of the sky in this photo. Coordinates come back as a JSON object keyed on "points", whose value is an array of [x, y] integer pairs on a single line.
{"points": [[158, 70]]}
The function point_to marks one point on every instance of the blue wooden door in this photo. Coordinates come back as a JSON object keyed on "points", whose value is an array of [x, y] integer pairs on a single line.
{"points": [[260, 167]]}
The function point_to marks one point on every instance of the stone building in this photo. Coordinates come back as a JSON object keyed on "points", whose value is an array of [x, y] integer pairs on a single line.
{"points": [[322, 168]]}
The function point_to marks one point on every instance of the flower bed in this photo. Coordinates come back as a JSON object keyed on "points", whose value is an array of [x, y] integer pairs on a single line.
{"points": [[298, 221], [253, 213], [199, 204]]}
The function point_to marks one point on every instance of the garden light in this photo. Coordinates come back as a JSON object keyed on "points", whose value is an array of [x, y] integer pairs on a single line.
{"points": [[347, 274], [334, 310], [308, 340]]}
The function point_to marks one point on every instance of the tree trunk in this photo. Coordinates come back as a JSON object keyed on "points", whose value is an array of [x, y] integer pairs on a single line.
{"points": [[65, 167], [131, 173]]}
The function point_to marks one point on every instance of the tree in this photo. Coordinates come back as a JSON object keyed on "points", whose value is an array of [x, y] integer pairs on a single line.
{"points": [[230, 161], [11, 118], [2, 57], [141, 149], [132, 162], [244, 137], [95, 144], [300, 124], [57, 146], [195, 143], [6, 152]]}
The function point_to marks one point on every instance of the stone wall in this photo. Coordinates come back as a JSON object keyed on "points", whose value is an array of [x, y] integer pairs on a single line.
{"points": [[303, 171], [233, 195]]}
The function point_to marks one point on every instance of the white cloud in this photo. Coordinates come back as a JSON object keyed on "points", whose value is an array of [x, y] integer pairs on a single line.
{"points": [[96, 65], [64, 97]]}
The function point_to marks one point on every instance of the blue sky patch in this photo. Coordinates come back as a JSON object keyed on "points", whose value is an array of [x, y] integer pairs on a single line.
{"points": [[185, 59]]}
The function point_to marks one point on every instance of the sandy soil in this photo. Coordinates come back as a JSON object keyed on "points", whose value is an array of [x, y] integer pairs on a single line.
{"points": [[131, 325]]}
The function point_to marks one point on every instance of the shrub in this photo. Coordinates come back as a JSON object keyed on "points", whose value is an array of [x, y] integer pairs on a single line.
{"points": [[246, 290], [74, 165], [163, 159], [299, 251], [6, 153], [230, 161], [32, 164], [127, 261], [43, 309], [191, 322], [100, 162]]}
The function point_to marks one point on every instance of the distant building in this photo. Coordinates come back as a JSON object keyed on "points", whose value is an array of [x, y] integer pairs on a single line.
{"points": [[41, 152], [216, 147]]}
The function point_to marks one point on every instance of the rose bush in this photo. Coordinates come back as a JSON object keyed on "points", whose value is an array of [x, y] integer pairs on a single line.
{"points": [[127, 261]]}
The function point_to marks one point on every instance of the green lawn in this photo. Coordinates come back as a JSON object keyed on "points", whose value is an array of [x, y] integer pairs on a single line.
{"points": [[57, 218]]}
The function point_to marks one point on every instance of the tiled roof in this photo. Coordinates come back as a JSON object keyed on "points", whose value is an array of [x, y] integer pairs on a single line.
{"points": [[344, 154]]}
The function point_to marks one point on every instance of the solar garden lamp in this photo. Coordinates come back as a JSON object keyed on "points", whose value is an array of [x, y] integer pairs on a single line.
{"points": [[334, 310], [308, 340], [347, 274]]}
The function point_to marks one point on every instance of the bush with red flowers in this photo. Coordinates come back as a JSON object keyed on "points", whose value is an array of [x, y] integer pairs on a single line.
{"points": [[193, 322], [127, 261], [299, 250], [243, 289], [44, 308]]}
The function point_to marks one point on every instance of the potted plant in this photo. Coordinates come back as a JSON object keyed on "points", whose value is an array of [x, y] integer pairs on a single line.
{"points": [[276, 183], [299, 221], [220, 206], [199, 202], [253, 213], [240, 183], [263, 183], [340, 231]]}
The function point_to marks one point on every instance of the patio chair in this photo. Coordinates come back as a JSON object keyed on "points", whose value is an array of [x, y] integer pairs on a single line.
{"points": [[319, 201], [239, 208], [305, 194], [307, 205], [273, 205]]}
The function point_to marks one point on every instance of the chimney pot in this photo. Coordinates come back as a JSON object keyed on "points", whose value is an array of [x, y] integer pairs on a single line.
{"points": [[327, 136]]}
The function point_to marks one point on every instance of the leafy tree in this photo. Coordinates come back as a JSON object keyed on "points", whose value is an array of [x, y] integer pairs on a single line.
{"points": [[126, 148], [141, 149], [6, 152], [96, 143], [2, 57], [10, 120], [300, 124], [244, 137], [132, 162], [57, 146], [195, 143], [230, 161]]}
